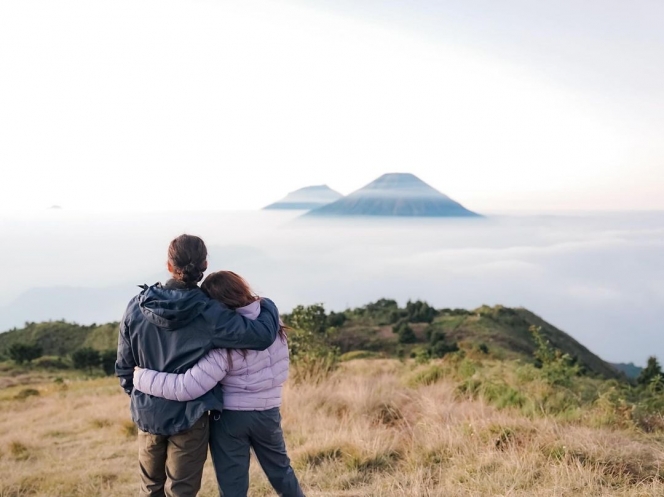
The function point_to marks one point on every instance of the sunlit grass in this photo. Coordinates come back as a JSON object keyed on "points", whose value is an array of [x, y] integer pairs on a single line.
{"points": [[373, 428]]}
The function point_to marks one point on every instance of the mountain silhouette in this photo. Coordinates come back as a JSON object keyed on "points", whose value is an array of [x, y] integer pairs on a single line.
{"points": [[395, 194], [307, 198]]}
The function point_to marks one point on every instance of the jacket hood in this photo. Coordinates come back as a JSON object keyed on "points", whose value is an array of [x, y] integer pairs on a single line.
{"points": [[171, 308], [251, 311]]}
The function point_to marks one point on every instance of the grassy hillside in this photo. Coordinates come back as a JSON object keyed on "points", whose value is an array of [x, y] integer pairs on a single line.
{"points": [[503, 412], [503, 332], [456, 427]]}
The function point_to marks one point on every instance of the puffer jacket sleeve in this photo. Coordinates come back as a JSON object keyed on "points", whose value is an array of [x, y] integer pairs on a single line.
{"points": [[191, 384]]}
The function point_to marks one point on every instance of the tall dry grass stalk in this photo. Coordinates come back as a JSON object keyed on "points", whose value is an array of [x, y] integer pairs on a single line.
{"points": [[367, 430]]}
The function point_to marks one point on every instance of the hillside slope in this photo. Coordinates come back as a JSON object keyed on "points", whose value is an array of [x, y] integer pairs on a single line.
{"points": [[504, 331]]}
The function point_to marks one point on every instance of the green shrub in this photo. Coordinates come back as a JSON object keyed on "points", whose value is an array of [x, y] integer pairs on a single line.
{"points": [[652, 374], [86, 358], [313, 366], [648, 407], [405, 332], [310, 318], [504, 396], [107, 360], [428, 376], [396, 316], [313, 358], [466, 368], [336, 319], [438, 346], [557, 368], [24, 352], [420, 312], [383, 311], [420, 354], [499, 393]]}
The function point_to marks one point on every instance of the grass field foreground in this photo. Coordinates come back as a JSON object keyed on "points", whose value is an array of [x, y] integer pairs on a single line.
{"points": [[373, 428]]}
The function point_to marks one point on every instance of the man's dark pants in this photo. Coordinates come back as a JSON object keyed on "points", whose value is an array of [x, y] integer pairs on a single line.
{"points": [[233, 433], [173, 466]]}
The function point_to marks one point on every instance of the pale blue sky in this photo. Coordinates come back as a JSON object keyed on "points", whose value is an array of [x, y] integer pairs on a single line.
{"points": [[226, 105]]}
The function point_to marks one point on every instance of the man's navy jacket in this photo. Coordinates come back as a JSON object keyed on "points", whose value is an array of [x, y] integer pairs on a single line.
{"points": [[169, 328]]}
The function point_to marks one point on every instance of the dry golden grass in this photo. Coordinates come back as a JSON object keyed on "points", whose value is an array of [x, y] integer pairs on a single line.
{"points": [[366, 431]]}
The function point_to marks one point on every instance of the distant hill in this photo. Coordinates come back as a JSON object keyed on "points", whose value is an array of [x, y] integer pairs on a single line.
{"points": [[631, 370], [504, 331], [79, 304], [395, 194], [307, 198], [60, 338]]}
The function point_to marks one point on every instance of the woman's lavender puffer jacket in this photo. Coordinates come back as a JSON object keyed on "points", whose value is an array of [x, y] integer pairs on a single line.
{"points": [[251, 383]]}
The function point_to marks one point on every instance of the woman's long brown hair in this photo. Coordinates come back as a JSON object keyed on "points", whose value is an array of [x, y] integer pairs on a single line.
{"points": [[232, 290], [229, 288]]}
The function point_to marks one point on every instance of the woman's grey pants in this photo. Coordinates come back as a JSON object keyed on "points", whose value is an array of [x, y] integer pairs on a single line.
{"points": [[232, 433]]}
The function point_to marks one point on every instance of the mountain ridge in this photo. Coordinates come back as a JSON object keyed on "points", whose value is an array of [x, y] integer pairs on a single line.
{"points": [[396, 195]]}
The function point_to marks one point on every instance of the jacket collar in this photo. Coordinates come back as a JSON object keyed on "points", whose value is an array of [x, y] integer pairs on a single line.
{"points": [[174, 284]]}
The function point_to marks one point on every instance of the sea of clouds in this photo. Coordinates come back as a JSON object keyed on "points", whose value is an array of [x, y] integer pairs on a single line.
{"points": [[599, 277]]}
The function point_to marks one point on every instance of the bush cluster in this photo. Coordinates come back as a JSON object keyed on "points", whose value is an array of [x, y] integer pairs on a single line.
{"points": [[404, 332], [89, 359], [25, 352], [439, 346], [313, 357], [557, 368]]}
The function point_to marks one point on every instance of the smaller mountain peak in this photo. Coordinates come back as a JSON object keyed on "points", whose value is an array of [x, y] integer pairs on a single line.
{"points": [[307, 198]]}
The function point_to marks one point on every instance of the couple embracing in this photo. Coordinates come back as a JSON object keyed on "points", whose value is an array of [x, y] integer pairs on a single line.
{"points": [[204, 366]]}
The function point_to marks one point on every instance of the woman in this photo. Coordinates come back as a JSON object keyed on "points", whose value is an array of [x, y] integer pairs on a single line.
{"points": [[169, 328], [252, 384]]}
